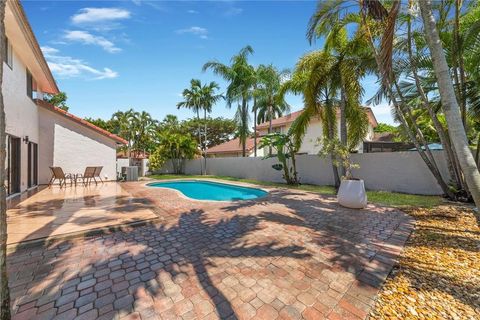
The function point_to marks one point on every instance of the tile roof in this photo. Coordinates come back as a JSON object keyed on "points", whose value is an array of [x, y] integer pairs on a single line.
{"points": [[278, 122], [51, 107], [232, 146], [289, 118]]}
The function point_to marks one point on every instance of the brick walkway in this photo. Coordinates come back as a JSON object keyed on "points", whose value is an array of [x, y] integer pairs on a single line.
{"points": [[294, 254]]}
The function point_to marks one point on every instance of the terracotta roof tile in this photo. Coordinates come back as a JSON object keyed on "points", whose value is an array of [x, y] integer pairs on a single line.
{"points": [[232, 146], [289, 118], [51, 107]]}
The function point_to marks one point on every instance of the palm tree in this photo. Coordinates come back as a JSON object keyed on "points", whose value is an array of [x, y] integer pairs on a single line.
{"points": [[123, 123], [319, 97], [374, 22], [241, 78], [145, 127], [449, 102], [269, 103], [192, 100], [4, 290], [208, 98]]}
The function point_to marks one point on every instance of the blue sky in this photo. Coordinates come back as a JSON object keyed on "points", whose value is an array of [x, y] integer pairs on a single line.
{"points": [[114, 55]]}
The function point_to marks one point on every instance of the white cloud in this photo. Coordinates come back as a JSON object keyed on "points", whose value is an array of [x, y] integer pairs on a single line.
{"points": [[93, 15], [192, 11], [198, 31], [68, 67], [49, 50], [382, 109], [233, 11], [88, 38]]}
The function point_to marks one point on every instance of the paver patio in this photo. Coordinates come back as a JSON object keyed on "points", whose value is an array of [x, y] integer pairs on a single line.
{"points": [[291, 255], [59, 211]]}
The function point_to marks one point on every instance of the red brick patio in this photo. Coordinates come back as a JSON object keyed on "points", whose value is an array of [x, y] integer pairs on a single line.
{"points": [[291, 255]]}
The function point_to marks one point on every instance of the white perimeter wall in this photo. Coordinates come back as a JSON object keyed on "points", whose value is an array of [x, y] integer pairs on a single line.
{"points": [[390, 171], [72, 146]]}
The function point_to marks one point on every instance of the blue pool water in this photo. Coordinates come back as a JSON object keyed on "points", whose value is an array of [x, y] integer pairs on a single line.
{"points": [[207, 190]]}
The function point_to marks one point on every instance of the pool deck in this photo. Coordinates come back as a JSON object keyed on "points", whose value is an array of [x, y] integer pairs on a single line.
{"points": [[290, 255], [61, 212]]}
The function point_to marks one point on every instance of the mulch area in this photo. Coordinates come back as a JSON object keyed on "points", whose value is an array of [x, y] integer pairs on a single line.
{"points": [[438, 275]]}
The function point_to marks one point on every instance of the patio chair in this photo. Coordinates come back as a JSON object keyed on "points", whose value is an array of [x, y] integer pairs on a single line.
{"points": [[98, 170], [87, 175], [58, 174]]}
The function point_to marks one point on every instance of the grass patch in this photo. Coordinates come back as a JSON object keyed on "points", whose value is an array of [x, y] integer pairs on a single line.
{"points": [[403, 200], [392, 199]]}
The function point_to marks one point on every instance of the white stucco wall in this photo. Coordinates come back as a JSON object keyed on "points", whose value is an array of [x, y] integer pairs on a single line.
{"points": [[20, 111], [390, 171], [73, 147], [312, 141]]}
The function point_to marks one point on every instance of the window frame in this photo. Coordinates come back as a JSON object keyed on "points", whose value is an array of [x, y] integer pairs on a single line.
{"points": [[8, 54]]}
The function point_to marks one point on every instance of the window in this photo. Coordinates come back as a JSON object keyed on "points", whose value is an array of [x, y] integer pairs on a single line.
{"points": [[32, 175], [12, 165], [8, 53], [31, 85]]}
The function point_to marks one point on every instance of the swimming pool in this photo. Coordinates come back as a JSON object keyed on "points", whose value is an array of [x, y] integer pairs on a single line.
{"points": [[214, 191]]}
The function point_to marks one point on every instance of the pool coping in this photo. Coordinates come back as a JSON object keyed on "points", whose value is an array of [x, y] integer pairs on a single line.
{"points": [[182, 195]]}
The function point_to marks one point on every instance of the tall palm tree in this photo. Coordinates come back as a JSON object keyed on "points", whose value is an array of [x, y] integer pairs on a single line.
{"points": [[375, 23], [124, 126], [449, 102], [145, 127], [270, 102], [192, 99], [208, 98], [4, 290], [241, 78]]}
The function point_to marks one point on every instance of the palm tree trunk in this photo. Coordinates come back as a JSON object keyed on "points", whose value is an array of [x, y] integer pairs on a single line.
{"points": [[399, 107], [255, 124], [449, 102], [243, 136], [200, 140], [205, 138], [477, 153], [270, 127], [343, 121], [4, 290], [455, 172]]}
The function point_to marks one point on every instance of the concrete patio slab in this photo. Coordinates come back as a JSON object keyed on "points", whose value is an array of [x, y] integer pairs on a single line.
{"points": [[291, 255], [54, 212]]}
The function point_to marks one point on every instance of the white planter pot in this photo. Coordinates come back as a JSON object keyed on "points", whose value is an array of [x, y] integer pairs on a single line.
{"points": [[351, 194]]}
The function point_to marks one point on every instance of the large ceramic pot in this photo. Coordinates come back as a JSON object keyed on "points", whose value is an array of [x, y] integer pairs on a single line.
{"points": [[351, 194]]}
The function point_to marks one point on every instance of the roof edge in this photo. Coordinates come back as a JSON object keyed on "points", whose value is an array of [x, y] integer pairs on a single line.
{"points": [[18, 11], [85, 123]]}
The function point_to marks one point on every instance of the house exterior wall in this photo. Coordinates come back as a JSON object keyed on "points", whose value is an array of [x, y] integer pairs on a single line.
{"points": [[73, 147], [311, 143], [21, 113]]}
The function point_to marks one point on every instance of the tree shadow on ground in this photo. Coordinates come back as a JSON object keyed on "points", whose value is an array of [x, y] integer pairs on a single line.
{"points": [[361, 242], [150, 269]]}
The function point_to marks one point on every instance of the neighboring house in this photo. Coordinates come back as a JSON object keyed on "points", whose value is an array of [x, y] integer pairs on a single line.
{"points": [[39, 134], [232, 148], [310, 143], [384, 142]]}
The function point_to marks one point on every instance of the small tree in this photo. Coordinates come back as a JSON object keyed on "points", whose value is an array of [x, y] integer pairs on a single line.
{"points": [[174, 147], [285, 149], [58, 100], [342, 156]]}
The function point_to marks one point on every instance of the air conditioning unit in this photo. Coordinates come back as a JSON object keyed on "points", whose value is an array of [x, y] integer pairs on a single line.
{"points": [[130, 173]]}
